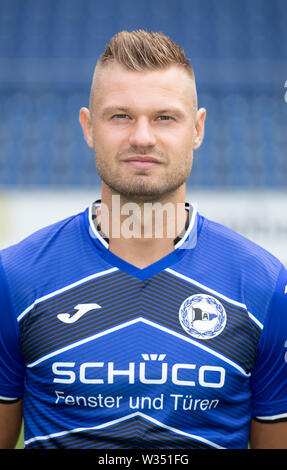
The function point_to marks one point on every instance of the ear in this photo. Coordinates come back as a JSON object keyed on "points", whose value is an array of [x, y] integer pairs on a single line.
{"points": [[86, 123], [199, 127]]}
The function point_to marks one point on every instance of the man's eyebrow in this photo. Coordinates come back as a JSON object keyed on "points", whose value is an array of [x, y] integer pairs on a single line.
{"points": [[173, 111], [121, 109], [113, 109]]}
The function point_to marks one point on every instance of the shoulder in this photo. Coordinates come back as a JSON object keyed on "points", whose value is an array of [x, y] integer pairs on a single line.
{"points": [[31, 267], [236, 248], [246, 269], [29, 249]]}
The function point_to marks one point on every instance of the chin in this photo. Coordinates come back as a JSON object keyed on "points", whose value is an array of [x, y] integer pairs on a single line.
{"points": [[144, 194], [143, 188]]}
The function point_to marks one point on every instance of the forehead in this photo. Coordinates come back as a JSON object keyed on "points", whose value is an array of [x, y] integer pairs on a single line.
{"points": [[113, 85]]}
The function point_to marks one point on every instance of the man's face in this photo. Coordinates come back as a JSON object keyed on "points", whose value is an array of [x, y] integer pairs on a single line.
{"points": [[143, 127]]}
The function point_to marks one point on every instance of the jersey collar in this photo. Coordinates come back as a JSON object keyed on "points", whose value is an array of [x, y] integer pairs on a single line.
{"points": [[187, 239]]}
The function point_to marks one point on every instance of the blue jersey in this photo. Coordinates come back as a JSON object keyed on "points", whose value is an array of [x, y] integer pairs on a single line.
{"points": [[180, 354]]}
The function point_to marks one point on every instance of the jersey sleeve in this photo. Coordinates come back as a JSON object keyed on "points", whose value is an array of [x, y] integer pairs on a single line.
{"points": [[269, 375], [12, 368]]}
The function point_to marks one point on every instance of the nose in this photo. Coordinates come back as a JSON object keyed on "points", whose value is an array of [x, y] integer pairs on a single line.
{"points": [[142, 134]]}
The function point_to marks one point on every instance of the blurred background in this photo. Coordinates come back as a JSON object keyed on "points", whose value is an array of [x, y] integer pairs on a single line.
{"points": [[238, 48]]}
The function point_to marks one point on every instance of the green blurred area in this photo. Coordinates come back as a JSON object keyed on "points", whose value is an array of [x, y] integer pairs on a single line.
{"points": [[20, 442]]}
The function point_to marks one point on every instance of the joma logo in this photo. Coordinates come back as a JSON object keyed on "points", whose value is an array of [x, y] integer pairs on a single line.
{"points": [[81, 310]]}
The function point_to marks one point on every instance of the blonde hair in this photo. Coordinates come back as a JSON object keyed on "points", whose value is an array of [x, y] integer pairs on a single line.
{"points": [[142, 50]]}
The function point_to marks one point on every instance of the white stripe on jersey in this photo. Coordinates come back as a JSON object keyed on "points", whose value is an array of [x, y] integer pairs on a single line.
{"points": [[222, 296], [8, 399], [124, 418], [64, 289], [272, 418], [148, 322]]}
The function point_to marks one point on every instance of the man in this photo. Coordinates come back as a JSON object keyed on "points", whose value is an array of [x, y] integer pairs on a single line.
{"points": [[139, 323]]}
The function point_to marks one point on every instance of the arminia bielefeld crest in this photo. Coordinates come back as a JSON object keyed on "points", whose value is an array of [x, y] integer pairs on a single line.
{"points": [[202, 316]]}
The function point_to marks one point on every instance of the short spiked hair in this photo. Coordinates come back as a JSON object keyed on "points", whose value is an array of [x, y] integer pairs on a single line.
{"points": [[142, 50]]}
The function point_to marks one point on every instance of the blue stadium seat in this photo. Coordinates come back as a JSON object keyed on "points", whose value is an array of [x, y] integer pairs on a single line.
{"points": [[41, 141]]}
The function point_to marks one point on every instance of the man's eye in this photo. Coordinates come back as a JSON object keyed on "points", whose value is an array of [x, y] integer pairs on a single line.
{"points": [[164, 118], [120, 116]]}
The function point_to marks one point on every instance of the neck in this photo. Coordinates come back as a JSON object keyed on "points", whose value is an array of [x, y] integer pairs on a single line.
{"points": [[141, 233]]}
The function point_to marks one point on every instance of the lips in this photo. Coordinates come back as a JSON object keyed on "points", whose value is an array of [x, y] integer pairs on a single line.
{"points": [[142, 161]]}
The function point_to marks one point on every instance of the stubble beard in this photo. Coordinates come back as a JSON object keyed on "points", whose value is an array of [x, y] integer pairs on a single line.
{"points": [[140, 188]]}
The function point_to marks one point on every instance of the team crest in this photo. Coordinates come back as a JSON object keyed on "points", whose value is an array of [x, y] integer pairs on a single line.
{"points": [[202, 316]]}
